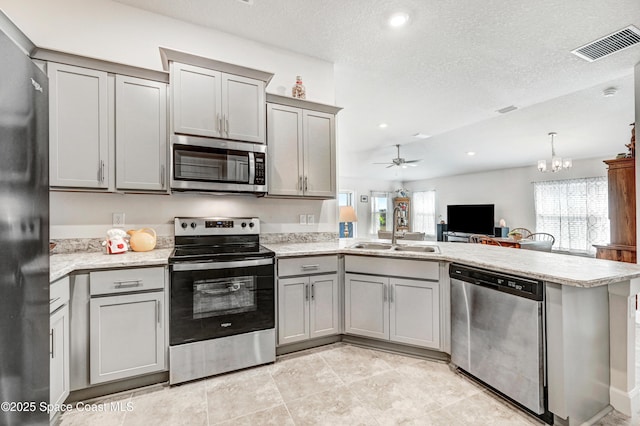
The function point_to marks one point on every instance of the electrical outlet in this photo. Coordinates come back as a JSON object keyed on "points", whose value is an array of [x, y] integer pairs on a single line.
{"points": [[303, 219], [310, 219], [118, 220]]}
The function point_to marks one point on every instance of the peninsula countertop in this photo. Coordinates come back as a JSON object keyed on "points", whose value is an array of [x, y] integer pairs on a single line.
{"points": [[547, 266]]}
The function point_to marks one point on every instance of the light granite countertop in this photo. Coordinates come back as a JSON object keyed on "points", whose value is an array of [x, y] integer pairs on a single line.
{"points": [[552, 267], [64, 264]]}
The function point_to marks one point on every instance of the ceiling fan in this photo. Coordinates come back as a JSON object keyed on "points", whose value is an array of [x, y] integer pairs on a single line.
{"points": [[401, 162]]}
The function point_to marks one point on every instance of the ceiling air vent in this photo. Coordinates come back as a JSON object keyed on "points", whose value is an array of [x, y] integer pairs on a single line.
{"points": [[607, 45]]}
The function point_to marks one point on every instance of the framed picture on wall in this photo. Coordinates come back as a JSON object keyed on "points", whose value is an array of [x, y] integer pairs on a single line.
{"points": [[364, 198]]}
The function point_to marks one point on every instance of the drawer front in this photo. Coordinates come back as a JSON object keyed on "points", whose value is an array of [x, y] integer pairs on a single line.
{"points": [[126, 280], [58, 293], [419, 269], [307, 265]]}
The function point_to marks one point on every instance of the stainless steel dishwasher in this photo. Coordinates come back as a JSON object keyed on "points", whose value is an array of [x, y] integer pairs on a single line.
{"points": [[497, 333]]}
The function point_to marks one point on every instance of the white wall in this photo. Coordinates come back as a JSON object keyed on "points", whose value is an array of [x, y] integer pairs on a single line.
{"points": [[115, 32], [88, 215], [511, 190], [363, 210]]}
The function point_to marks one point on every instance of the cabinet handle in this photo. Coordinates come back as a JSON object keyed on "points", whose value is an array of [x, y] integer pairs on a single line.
{"points": [[52, 301], [158, 310], [226, 125], [313, 293], [128, 284], [306, 292], [162, 182], [218, 123], [308, 267], [306, 181], [52, 351], [390, 293], [300, 184], [102, 171], [99, 171], [384, 292]]}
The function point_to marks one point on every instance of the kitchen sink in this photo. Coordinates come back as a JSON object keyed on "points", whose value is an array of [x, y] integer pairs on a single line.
{"points": [[372, 246], [419, 249], [403, 247]]}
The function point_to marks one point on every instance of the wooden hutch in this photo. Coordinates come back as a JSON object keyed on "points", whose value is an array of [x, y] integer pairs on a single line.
{"points": [[622, 211]]}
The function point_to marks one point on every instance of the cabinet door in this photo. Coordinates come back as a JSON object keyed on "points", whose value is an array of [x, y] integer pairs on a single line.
{"points": [[59, 356], [197, 100], [78, 127], [319, 154], [141, 134], [126, 336], [366, 307], [414, 308], [293, 309], [324, 307], [243, 108], [285, 150]]}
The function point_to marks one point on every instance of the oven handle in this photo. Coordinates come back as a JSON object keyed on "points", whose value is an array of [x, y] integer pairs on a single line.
{"points": [[252, 168], [203, 266]]}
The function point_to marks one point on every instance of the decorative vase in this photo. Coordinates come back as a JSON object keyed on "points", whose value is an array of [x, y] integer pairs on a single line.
{"points": [[299, 90]]}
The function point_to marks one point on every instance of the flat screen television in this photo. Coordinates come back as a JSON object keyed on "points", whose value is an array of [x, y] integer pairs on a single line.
{"points": [[471, 218]]}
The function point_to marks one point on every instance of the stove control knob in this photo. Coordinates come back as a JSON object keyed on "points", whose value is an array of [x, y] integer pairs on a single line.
{"points": [[184, 225], [244, 224], [193, 225], [251, 225]]}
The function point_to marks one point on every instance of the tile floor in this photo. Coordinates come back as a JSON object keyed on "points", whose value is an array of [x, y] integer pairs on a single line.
{"points": [[338, 384], [333, 385]]}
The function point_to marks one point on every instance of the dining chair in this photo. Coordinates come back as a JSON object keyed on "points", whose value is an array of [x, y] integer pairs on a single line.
{"points": [[540, 241], [483, 239], [522, 231], [476, 238]]}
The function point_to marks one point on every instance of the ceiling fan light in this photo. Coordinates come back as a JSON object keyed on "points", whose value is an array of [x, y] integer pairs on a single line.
{"points": [[567, 163], [542, 165]]}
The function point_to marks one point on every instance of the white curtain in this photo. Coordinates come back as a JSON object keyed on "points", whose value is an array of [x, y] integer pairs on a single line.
{"points": [[574, 211], [424, 212]]}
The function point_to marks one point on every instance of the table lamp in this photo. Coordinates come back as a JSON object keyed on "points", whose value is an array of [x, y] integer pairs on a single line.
{"points": [[348, 216]]}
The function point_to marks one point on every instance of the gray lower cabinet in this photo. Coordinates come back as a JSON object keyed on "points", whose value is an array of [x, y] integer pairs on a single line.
{"points": [[126, 323], [396, 309], [308, 305], [59, 343], [388, 307]]}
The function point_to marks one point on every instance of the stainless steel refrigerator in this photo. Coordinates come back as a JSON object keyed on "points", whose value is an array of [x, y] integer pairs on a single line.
{"points": [[24, 237]]}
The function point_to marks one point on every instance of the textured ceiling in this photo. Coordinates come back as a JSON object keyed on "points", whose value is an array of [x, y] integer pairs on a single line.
{"points": [[447, 73]]}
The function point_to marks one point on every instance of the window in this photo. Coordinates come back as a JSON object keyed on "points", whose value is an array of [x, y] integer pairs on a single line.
{"points": [[379, 206], [574, 211], [424, 212]]}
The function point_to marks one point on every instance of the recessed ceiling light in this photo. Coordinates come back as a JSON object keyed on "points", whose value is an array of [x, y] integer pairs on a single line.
{"points": [[398, 19], [507, 109], [421, 136], [609, 91], [383, 125], [471, 153]]}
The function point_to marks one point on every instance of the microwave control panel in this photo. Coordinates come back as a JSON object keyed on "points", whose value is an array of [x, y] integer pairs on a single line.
{"points": [[260, 169]]}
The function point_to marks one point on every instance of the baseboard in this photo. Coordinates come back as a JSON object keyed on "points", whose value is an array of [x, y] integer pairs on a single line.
{"points": [[625, 402]]}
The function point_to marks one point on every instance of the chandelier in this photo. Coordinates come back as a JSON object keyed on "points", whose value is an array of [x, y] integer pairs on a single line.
{"points": [[557, 163]]}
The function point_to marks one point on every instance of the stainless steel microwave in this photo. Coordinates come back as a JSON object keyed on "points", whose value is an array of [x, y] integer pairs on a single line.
{"points": [[205, 164]]}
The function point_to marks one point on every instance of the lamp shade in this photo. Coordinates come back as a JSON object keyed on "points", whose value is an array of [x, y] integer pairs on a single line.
{"points": [[347, 214]]}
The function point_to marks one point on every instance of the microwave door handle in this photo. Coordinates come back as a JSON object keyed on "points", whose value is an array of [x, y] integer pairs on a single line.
{"points": [[252, 168]]}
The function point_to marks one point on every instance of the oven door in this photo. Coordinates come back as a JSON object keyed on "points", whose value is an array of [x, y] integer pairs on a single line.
{"points": [[218, 299], [216, 165]]}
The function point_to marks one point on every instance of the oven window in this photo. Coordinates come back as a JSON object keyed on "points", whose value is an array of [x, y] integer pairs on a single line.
{"points": [[211, 165], [224, 296]]}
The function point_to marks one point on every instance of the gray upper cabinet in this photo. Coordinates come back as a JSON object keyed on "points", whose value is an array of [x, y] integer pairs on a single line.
{"points": [[78, 127], [302, 148], [216, 104], [141, 134]]}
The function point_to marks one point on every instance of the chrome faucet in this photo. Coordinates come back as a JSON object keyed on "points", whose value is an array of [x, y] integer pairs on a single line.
{"points": [[396, 210]]}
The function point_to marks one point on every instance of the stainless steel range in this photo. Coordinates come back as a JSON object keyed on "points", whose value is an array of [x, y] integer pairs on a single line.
{"points": [[222, 304]]}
